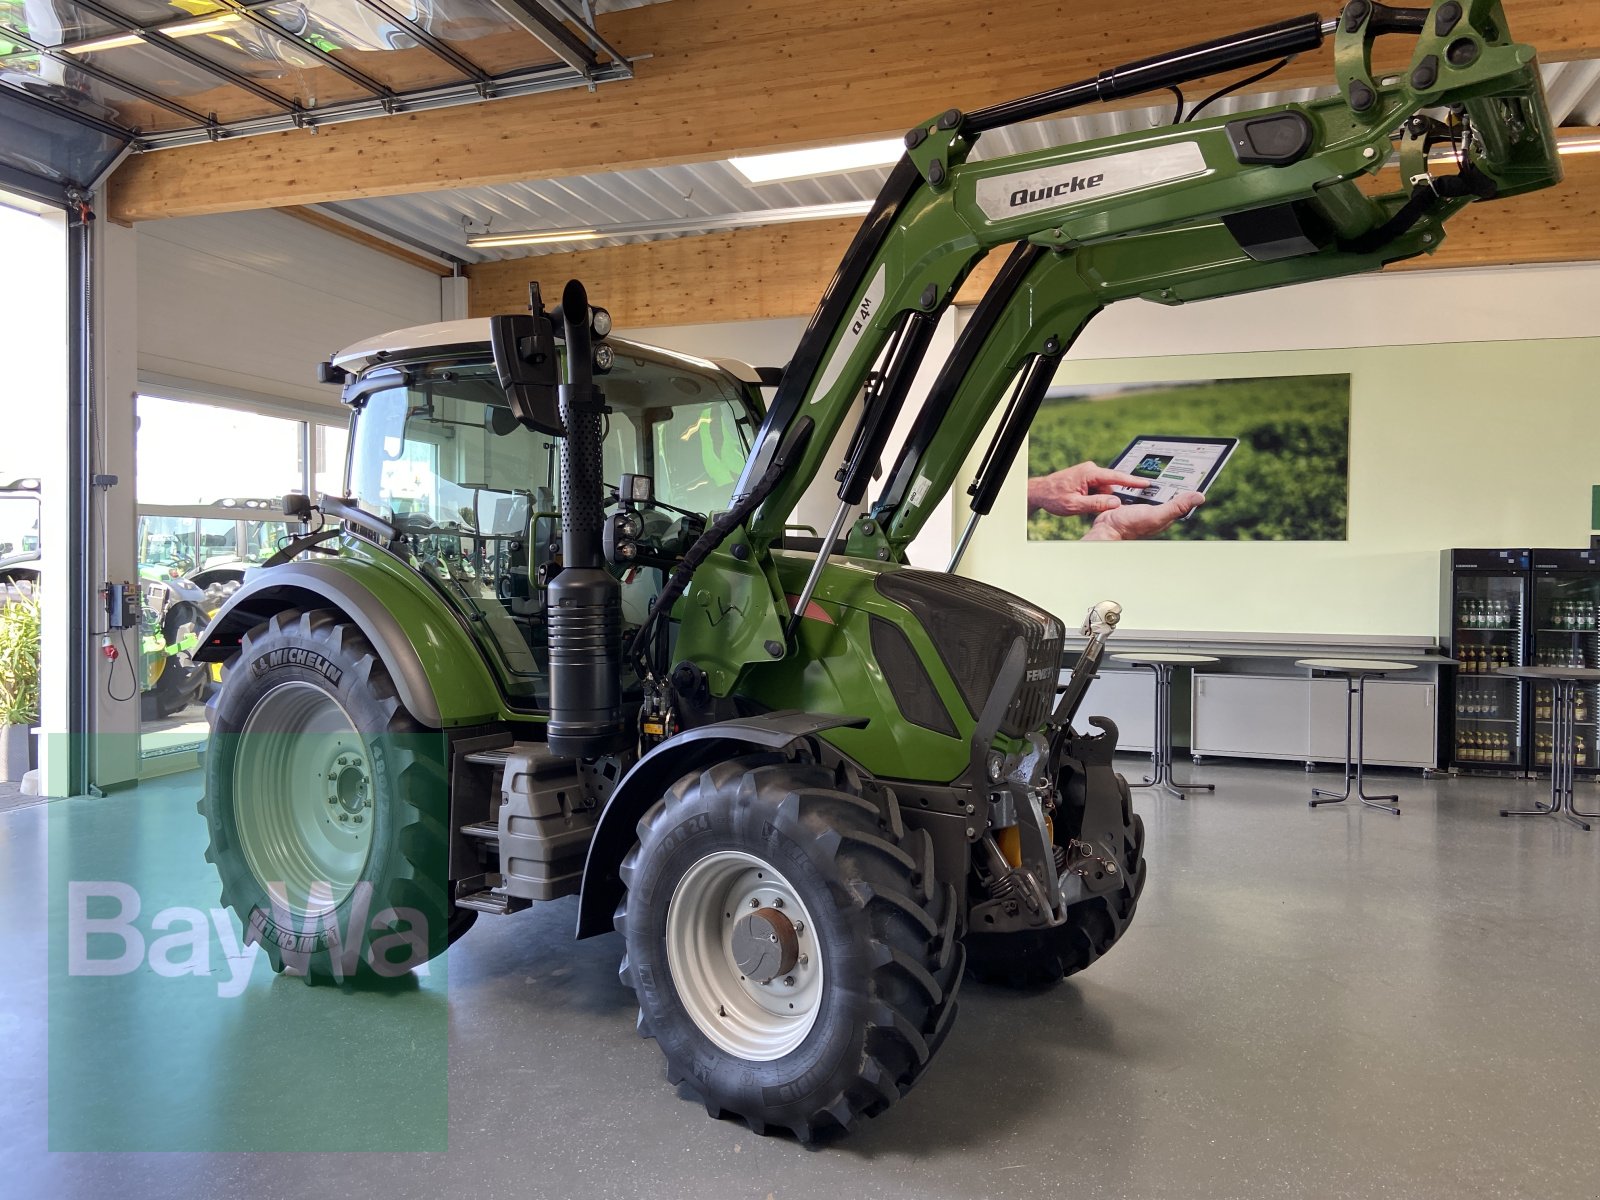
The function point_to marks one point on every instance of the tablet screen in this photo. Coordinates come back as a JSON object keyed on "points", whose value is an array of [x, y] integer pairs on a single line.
{"points": [[1172, 465]]}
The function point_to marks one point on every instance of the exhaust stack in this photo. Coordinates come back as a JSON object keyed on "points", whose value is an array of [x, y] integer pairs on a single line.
{"points": [[584, 599]]}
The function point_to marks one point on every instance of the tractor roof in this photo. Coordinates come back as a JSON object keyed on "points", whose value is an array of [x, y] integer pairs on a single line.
{"points": [[473, 332]]}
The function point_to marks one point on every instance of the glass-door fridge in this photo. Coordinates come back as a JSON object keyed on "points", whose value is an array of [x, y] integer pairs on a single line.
{"points": [[1566, 602], [1486, 602]]}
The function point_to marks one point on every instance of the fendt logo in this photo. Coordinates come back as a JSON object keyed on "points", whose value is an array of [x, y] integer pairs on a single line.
{"points": [[1077, 183]]}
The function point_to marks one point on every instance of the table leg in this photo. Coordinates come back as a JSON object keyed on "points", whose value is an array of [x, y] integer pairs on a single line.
{"points": [[1361, 754], [1328, 795], [1557, 754], [1575, 813], [1162, 750], [1569, 721]]}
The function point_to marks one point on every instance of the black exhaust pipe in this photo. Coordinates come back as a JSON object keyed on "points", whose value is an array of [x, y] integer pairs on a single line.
{"points": [[584, 599]]}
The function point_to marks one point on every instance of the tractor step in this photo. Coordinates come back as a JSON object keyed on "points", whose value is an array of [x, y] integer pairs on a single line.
{"points": [[487, 830], [489, 758], [490, 901]]}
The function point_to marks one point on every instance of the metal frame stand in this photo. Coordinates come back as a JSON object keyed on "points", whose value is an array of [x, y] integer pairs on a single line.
{"points": [[1161, 754], [1563, 760], [1355, 686]]}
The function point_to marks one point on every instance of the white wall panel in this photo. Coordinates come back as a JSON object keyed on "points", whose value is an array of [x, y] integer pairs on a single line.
{"points": [[251, 302]]}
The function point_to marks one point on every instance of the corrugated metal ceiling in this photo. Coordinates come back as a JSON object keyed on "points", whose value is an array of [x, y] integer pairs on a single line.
{"points": [[443, 220]]}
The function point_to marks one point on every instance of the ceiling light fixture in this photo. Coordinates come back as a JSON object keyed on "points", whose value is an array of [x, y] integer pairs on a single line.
{"points": [[534, 239], [212, 24], [1578, 145], [712, 223], [822, 160]]}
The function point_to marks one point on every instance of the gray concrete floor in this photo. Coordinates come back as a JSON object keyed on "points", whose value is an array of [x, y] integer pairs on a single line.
{"points": [[1324, 1004]]}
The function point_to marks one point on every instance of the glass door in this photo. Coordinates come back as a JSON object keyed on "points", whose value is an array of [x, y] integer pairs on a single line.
{"points": [[1487, 634], [1566, 605]]}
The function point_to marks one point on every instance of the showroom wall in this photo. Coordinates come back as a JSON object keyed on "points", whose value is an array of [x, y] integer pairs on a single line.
{"points": [[1472, 423], [251, 302]]}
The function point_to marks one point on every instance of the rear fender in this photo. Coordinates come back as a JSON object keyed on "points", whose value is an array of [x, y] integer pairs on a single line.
{"points": [[653, 774], [438, 671]]}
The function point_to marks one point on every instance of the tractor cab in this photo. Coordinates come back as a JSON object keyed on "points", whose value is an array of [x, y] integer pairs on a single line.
{"points": [[474, 495]]}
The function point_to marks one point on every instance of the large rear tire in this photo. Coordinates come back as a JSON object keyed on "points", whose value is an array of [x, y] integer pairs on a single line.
{"points": [[1039, 957], [793, 953], [327, 805]]}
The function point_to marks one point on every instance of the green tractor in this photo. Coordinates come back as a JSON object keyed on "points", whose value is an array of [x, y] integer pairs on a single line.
{"points": [[562, 641]]}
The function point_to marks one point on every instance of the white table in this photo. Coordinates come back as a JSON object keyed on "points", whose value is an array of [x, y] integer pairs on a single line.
{"points": [[1356, 672], [1162, 662]]}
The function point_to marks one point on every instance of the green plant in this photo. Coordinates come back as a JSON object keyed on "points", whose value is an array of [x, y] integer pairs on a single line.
{"points": [[19, 661]]}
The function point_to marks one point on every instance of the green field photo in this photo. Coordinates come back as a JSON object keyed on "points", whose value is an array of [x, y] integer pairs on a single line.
{"points": [[1287, 481]]}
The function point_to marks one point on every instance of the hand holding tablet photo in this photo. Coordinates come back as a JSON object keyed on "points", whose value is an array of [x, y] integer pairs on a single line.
{"points": [[1083, 490], [1165, 469]]}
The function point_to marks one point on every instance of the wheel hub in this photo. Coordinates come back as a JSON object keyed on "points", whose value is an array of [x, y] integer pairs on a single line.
{"points": [[764, 945], [347, 790]]}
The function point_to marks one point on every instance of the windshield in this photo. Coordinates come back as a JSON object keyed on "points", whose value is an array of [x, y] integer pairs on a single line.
{"points": [[475, 494]]}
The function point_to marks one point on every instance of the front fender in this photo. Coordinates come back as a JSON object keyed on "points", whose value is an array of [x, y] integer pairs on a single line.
{"points": [[437, 670], [693, 750]]}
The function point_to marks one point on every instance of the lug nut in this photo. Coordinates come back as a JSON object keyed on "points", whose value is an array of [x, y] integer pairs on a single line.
{"points": [[788, 981], [799, 928], [754, 903], [802, 960], [777, 902]]}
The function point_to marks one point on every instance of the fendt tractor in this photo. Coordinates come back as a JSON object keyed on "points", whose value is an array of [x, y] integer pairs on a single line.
{"points": [[558, 637]]}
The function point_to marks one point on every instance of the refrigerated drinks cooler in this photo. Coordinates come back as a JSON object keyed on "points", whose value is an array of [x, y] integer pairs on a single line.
{"points": [[1487, 598], [1566, 598]]}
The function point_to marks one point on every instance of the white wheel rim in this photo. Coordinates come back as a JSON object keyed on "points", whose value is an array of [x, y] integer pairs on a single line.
{"points": [[303, 799], [750, 1018]]}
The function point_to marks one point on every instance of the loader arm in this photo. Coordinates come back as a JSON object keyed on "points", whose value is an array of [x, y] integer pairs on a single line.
{"points": [[1029, 319], [1277, 185]]}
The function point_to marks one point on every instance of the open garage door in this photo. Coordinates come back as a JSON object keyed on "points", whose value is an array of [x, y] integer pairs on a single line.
{"points": [[48, 153]]}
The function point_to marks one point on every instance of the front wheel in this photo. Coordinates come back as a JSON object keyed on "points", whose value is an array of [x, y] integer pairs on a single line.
{"points": [[326, 804], [793, 954]]}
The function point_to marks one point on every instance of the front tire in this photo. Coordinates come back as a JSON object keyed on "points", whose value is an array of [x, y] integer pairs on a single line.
{"points": [[793, 953], [327, 806]]}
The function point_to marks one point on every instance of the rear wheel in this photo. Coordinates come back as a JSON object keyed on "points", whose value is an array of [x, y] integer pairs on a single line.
{"points": [[327, 805], [1036, 957], [793, 954]]}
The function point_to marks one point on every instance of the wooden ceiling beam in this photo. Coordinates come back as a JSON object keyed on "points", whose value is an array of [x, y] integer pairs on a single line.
{"points": [[780, 271], [732, 76], [370, 240]]}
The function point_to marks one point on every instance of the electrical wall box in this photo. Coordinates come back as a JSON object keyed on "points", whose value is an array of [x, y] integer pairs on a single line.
{"points": [[122, 605]]}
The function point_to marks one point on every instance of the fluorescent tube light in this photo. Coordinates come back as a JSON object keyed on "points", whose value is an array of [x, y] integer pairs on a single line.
{"points": [[823, 160], [211, 24], [711, 223], [546, 238]]}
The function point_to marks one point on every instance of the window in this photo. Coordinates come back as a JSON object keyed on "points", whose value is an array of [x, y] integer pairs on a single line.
{"points": [[474, 493], [198, 454]]}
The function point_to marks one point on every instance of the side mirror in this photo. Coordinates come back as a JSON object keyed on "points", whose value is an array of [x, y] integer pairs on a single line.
{"points": [[525, 360]]}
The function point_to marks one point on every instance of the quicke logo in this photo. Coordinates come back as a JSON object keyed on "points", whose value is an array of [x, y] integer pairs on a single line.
{"points": [[294, 656], [1077, 183]]}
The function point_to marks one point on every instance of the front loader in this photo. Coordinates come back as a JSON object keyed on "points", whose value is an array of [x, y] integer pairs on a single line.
{"points": [[563, 640]]}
